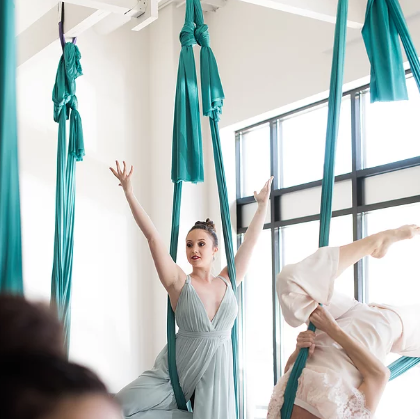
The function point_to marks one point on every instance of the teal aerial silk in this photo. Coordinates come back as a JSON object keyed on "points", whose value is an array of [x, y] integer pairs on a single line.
{"points": [[212, 101], [384, 22], [65, 107], [187, 148], [187, 156], [387, 79], [10, 228], [334, 106], [384, 26]]}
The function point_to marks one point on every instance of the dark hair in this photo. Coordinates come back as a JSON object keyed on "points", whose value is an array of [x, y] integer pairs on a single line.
{"points": [[31, 385], [28, 328], [208, 226]]}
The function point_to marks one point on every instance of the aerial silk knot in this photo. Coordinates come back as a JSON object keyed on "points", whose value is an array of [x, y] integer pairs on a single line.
{"points": [[202, 35], [186, 36], [58, 106]]}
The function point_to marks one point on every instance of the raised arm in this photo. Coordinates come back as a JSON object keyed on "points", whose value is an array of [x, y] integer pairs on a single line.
{"points": [[169, 272], [244, 253], [375, 374]]}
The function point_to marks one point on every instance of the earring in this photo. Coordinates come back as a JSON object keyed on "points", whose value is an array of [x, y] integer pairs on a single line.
{"points": [[214, 258]]}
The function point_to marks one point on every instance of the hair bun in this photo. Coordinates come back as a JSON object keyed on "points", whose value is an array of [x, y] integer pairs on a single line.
{"points": [[210, 225]]}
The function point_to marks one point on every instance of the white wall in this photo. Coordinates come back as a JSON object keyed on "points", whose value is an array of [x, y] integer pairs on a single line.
{"points": [[110, 276]]}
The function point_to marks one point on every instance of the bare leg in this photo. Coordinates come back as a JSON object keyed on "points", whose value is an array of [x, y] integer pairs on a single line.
{"points": [[376, 245], [299, 413]]}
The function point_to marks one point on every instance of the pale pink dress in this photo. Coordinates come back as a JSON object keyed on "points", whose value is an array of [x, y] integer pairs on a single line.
{"points": [[328, 385]]}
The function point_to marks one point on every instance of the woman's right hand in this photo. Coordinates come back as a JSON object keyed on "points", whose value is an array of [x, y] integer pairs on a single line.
{"points": [[306, 340], [123, 176], [323, 320]]}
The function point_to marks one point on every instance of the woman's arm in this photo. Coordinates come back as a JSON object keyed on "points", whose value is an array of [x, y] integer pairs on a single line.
{"points": [[169, 272], [244, 253], [375, 374]]}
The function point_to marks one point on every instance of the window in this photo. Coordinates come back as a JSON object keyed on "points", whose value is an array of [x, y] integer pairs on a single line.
{"points": [[395, 280], [376, 188], [255, 145], [303, 144], [391, 129]]}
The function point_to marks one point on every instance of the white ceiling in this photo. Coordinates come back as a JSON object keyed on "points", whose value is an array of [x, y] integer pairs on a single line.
{"points": [[29, 11]]}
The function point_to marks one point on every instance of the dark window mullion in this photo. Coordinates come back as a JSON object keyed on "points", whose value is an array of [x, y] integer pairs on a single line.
{"points": [[275, 170], [357, 185], [239, 180]]}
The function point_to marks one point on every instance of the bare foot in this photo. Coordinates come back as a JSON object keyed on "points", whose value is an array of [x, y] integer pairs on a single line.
{"points": [[389, 237]]}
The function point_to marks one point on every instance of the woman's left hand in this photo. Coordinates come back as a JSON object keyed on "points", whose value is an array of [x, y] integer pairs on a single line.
{"points": [[263, 196]]}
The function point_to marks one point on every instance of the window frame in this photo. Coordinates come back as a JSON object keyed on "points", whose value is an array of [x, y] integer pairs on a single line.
{"points": [[358, 209]]}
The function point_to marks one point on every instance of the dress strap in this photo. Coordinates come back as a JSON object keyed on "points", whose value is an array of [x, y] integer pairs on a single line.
{"points": [[188, 280], [224, 280]]}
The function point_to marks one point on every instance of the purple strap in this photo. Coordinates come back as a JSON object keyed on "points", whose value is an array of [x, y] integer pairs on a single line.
{"points": [[61, 31]]}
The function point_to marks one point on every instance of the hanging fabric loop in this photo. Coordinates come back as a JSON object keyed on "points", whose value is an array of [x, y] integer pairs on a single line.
{"points": [[65, 107]]}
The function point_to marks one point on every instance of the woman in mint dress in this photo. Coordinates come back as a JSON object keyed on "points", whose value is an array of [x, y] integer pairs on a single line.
{"points": [[205, 310]]}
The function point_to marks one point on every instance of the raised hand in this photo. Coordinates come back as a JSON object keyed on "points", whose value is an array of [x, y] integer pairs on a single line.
{"points": [[123, 176], [306, 340], [264, 194]]}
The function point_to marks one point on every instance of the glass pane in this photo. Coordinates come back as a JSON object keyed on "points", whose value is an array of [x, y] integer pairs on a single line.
{"points": [[402, 263], [395, 280], [392, 130], [308, 201], [400, 397], [300, 241], [393, 185], [258, 330], [248, 212], [255, 159], [303, 134]]}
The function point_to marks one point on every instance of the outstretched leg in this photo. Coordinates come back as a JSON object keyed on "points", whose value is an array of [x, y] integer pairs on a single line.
{"points": [[376, 245], [304, 285]]}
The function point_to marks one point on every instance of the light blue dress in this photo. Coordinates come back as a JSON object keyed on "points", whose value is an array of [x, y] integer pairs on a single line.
{"points": [[204, 362]]}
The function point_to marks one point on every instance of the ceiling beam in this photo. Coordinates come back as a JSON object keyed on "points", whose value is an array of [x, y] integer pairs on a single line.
{"points": [[44, 31], [149, 16], [119, 7], [324, 10]]}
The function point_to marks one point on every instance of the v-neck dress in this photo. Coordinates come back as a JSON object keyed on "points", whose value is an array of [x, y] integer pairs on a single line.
{"points": [[204, 362]]}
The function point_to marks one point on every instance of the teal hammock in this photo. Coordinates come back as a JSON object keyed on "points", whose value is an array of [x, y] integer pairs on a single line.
{"points": [[11, 280], [187, 156], [383, 25], [65, 107]]}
